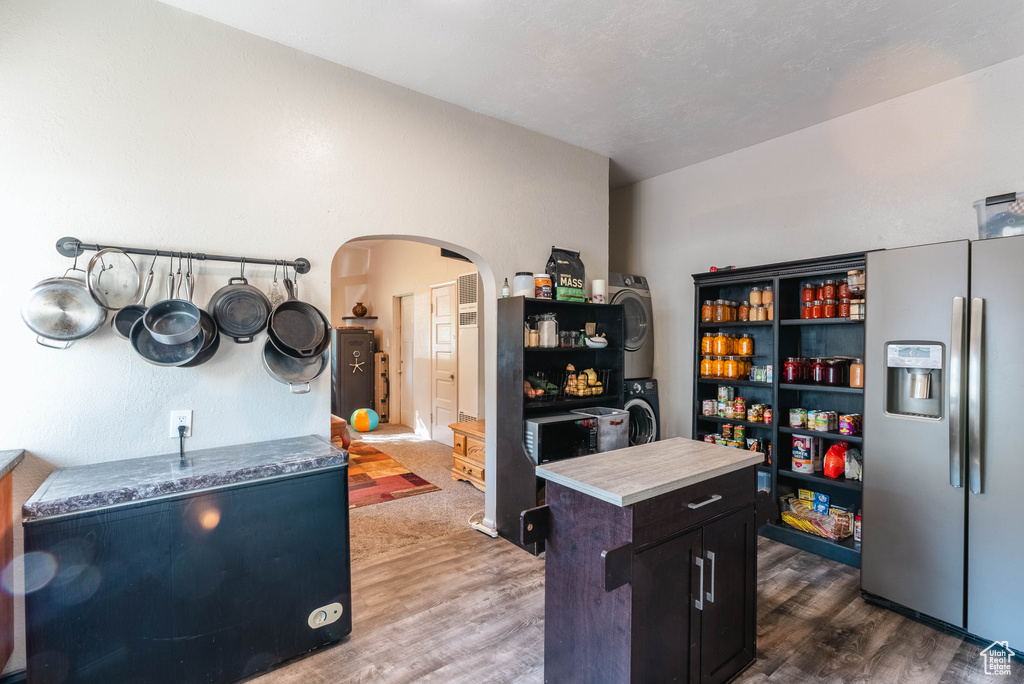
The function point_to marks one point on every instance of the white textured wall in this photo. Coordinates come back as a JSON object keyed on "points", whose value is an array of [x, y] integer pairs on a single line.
{"points": [[129, 121], [900, 173]]}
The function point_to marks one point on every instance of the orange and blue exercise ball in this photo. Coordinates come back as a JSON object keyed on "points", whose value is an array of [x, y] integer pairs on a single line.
{"points": [[364, 420]]}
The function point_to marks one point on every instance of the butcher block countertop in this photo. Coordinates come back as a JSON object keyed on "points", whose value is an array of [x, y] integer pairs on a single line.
{"points": [[627, 476], [9, 459], [99, 485]]}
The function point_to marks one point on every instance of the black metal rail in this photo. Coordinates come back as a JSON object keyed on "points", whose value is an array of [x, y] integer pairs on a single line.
{"points": [[73, 247]]}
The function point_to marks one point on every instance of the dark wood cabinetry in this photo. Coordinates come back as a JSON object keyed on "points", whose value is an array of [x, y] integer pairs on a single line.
{"points": [[776, 340], [662, 590], [515, 478]]}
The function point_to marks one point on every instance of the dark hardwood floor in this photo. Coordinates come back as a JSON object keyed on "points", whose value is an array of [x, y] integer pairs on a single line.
{"points": [[469, 608]]}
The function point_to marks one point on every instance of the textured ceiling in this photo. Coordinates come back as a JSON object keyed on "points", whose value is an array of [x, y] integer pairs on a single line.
{"points": [[653, 85]]}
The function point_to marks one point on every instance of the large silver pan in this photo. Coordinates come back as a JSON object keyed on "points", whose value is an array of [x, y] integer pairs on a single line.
{"points": [[61, 310], [296, 373]]}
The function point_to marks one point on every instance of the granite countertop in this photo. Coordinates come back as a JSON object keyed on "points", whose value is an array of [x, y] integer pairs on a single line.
{"points": [[82, 488], [626, 476], [9, 459]]}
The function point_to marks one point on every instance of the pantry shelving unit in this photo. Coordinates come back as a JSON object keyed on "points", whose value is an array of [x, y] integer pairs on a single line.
{"points": [[515, 481], [787, 335]]}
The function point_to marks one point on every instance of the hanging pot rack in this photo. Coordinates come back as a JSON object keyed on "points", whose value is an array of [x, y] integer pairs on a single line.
{"points": [[73, 247]]}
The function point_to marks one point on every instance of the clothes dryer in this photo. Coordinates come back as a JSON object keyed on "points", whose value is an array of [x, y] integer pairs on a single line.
{"points": [[632, 293]]}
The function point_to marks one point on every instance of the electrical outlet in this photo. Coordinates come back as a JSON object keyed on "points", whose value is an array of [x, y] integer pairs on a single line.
{"points": [[181, 418]]}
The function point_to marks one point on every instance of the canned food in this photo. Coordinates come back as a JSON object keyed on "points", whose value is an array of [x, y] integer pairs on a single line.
{"points": [[727, 431], [730, 410], [709, 438], [754, 413], [726, 394], [710, 407], [768, 414], [797, 418], [739, 433], [820, 421], [721, 409]]}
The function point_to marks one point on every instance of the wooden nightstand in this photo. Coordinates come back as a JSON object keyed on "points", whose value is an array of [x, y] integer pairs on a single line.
{"points": [[468, 454]]}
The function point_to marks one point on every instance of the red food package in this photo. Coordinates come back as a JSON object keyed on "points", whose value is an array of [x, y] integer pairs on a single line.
{"points": [[835, 460]]}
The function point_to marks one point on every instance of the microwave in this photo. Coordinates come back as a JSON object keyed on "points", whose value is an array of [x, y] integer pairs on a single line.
{"points": [[559, 435]]}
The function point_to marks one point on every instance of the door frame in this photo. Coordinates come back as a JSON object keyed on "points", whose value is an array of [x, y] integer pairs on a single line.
{"points": [[454, 284], [398, 335]]}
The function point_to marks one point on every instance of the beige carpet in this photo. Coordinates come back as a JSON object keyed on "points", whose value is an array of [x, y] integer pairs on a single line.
{"points": [[391, 525]]}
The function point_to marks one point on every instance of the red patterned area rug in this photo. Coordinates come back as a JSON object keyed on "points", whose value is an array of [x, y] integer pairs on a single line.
{"points": [[373, 477]]}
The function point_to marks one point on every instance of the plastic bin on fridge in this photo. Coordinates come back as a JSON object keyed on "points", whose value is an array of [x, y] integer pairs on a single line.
{"points": [[612, 427]]}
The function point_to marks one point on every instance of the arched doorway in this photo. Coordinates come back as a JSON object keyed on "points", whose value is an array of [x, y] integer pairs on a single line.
{"points": [[382, 270]]}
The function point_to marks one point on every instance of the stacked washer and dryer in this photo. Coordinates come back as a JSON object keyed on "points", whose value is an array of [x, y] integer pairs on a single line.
{"points": [[633, 294]]}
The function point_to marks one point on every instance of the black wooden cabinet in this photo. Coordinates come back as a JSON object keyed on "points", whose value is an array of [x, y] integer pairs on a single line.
{"points": [[659, 591]]}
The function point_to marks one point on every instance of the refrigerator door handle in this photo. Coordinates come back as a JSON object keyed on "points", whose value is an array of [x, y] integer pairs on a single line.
{"points": [[956, 378], [974, 388]]}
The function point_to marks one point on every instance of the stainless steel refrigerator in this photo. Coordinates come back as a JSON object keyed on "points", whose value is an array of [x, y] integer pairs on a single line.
{"points": [[944, 465]]}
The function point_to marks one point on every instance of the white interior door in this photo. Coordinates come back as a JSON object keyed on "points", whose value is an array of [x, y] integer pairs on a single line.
{"points": [[443, 363], [406, 410]]}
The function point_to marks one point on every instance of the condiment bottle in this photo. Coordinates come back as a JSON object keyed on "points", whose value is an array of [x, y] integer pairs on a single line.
{"points": [[505, 291], [755, 296]]}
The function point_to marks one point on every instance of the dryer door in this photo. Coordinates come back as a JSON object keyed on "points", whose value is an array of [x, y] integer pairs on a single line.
{"points": [[637, 321], [643, 424]]}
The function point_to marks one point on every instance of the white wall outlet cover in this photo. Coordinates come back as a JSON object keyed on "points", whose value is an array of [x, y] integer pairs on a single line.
{"points": [[181, 418], [325, 615]]}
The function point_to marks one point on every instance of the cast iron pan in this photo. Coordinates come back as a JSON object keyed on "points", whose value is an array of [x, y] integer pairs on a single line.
{"points": [[240, 310], [298, 329]]}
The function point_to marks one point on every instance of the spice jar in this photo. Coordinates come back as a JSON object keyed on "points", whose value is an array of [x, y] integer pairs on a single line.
{"points": [[817, 371], [755, 296], [829, 308], [744, 313], [843, 289], [844, 308], [767, 295], [707, 344], [807, 294], [707, 311], [806, 310], [857, 373], [817, 309], [705, 367], [746, 345], [829, 289], [791, 371], [719, 313], [717, 366]]}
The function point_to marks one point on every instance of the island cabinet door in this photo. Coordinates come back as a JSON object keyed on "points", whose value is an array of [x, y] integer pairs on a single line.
{"points": [[729, 610], [666, 613]]}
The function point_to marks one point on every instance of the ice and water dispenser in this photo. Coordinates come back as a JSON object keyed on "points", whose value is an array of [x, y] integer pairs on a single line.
{"points": [[914, 379]]}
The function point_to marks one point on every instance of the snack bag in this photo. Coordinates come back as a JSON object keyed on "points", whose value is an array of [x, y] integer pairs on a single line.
{"points": [[568, 277], [835, 460]]}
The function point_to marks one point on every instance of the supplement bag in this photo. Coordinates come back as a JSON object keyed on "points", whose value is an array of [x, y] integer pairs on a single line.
{"points": [[568, 277]]}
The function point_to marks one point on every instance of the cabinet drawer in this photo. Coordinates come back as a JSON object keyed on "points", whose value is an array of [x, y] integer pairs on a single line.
{"points": [[469, 468], [674, 512], [460, 444], [475, 451]]}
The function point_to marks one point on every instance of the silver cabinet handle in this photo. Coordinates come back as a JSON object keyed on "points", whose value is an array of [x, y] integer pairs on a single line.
{"points": [[711, 594], [699, 603], [711, 499], [956, 378], [974, 388]]}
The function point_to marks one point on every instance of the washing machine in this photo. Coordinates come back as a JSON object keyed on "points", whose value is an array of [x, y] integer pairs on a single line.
{"points": [[644, 412], [632, 293]]}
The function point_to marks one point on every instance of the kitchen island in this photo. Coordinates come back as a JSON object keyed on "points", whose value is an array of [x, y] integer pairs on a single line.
{"points": [[650, 563], [205, 569]]}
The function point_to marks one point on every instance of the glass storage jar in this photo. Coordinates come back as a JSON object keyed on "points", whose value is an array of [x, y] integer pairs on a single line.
{"points": [[806, 310], [829, 308], [717, 366], [807, 293], [755, 296], [705, 367], [817, 309], [857, 373], [791, 371], [767, 295], [856, 282], [857, 310], [835, 373], [707, 344], [843, 289], [817, 371], [829, 289], [707, 311], [844, 308], [720, 344], [744, 313], [547, 326], [732, 368], [746, 346], [720, 312]]}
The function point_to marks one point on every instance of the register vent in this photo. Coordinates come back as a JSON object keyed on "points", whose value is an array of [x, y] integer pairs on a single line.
{"points": [[467, 289], [466, 418], [467, 318]]}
